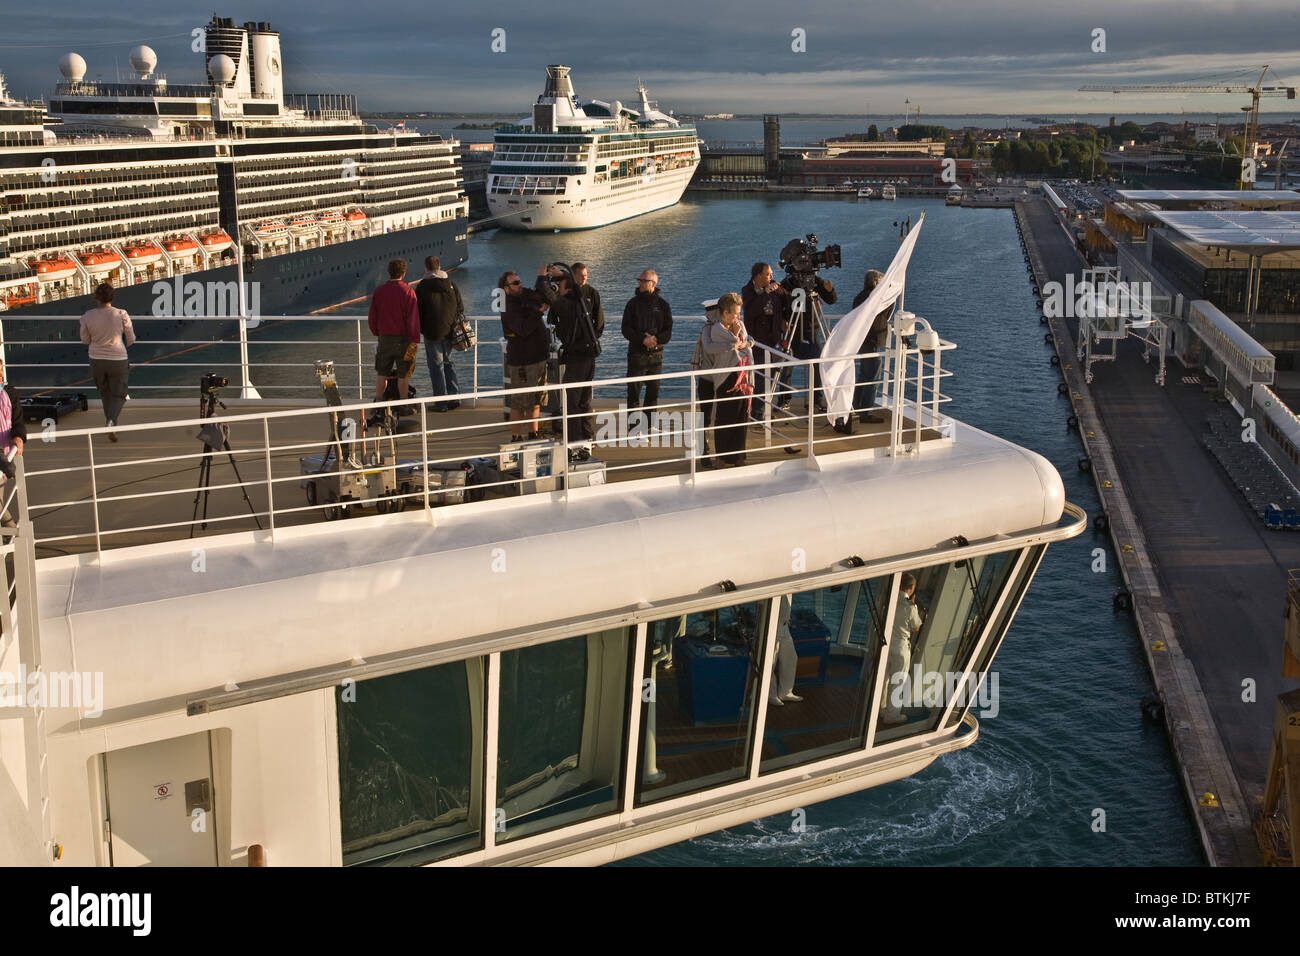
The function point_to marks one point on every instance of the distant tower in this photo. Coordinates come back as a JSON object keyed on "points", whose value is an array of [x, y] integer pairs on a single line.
{"points": [[772, 146], [1112, 121]]}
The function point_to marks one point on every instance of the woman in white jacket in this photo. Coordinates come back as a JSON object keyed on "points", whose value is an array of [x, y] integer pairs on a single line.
{"points": [[728, 348]]}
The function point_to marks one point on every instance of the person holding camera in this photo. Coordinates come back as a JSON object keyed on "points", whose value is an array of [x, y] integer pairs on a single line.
{"points": [[528, 346], [647, 326], [579, 334], [806, 340], [108, 332], [766, 312]]}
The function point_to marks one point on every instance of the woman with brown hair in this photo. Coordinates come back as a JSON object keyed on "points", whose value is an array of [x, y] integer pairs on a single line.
{"points": [[107, 330], [729, 350]]}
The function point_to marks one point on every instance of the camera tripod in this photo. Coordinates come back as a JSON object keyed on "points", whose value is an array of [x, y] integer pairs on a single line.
{"points": [[214, 437]]}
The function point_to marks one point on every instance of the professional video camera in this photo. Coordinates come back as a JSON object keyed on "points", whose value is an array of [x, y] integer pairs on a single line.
{"points": [[211, 383], [801, 260]]}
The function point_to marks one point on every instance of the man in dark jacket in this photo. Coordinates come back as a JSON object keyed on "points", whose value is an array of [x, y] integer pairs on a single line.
{"points": [[807, 342], [647, 326], [579, 334], [766, 314], [528, 345], [440, 303]]}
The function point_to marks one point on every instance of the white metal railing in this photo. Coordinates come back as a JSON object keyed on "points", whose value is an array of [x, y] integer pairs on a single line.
{"points": [[92, 500]]}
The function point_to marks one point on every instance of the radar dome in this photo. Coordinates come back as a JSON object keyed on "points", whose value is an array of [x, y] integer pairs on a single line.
{"points": [[143, 59], [73, 67], [222, 69]]}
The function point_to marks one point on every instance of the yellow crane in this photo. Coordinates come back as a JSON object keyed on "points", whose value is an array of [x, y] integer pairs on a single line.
{"points": [[1252, 111]]}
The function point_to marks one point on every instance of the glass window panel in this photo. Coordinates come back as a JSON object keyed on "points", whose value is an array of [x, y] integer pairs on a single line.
{"points": [[934, 629], [697, 723], [984, 692], [410, 765], [563, 718], [828, 646]]}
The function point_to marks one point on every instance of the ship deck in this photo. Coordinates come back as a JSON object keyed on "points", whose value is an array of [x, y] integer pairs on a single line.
{"points": [[146, 483]]}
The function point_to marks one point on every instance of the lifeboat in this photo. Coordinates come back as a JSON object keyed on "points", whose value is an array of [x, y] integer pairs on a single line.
{"points": [[332, 218], [271, 230], [22, 295], [216, 241], [53, 268], [142, 253], [99, 261], [356, 217], [303, 225], [180, 247]]}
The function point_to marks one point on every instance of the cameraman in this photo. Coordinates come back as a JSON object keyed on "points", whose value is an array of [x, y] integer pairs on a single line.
{"points": [[579, 336], [806, 342], [766, 314]]}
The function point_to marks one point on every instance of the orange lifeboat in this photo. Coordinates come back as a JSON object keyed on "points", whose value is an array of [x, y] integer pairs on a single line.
{"points": [[356, 217], [303, 225], [272, 230], [53, 268], [99, 261], [22, 295], [216, 241], [332, 219], [179, 247], [142, 253]]}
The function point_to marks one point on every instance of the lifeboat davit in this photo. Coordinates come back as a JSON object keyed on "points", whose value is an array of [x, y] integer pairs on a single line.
{"points": [[53, 268], [142, 253], [180, 247], [99, 261], [216, 241], [303, 225]]}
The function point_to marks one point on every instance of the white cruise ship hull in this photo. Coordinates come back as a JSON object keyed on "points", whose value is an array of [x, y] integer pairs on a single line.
{"points": [[592, 206]]}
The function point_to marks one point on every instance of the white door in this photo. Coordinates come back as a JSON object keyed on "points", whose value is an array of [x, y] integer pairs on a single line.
{"points": [[160, 809]]}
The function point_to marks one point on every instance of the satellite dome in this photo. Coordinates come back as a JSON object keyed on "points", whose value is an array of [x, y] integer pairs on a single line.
{"points": [[73, 67], [222, 69], [143, 59]]}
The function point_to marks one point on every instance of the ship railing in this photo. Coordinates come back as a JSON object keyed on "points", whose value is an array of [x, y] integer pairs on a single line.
{"points": [[203, 476]]}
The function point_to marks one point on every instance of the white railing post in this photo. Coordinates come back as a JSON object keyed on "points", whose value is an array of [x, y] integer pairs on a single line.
{"points": [[563, 470], [94, 497], [424, 456], [697, 428], [812, 406], [361, 388], [270, 486], [474, 370]]}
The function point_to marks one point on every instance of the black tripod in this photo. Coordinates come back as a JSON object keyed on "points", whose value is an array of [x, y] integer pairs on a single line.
{"points": [[214, 436]]}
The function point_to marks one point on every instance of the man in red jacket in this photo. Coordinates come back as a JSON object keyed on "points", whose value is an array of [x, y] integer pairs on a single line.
{"points": [[395, 319]]}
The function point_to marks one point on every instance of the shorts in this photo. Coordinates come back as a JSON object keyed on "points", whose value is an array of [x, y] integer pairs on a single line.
{"points": [[525, 376], [395, 356]]}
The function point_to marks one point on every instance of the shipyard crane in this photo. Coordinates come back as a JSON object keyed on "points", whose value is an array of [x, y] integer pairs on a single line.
{"points": [[1251, 111]]}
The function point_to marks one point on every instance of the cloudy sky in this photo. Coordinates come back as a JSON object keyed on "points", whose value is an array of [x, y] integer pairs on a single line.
{"points": [[948, 56]]}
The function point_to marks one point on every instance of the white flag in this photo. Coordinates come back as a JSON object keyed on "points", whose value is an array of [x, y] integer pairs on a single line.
{"points": [[838, 375]]}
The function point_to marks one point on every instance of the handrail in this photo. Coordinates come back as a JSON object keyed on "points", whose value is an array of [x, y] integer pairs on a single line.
{"points": [[389, 471]]}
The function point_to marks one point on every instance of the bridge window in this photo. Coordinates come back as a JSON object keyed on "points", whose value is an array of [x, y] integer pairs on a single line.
{"points": [[828, 645], [697, 712], [932, 637], [410, 765], [560, 743]]}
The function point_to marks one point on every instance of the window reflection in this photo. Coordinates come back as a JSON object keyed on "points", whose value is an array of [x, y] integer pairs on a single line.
{"points": [[560, 745], [935, 629], [410, 765], [828, 643], [698, 709]]}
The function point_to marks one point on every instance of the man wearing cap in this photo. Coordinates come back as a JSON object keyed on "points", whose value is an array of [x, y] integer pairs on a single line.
{"points": [[647, 326]]}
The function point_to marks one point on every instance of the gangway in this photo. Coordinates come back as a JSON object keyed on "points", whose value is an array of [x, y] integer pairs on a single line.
{"points": [[1111, 310]]}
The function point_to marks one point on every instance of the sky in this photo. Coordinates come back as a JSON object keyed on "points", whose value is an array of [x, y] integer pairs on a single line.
{"points": [[812, 56]]}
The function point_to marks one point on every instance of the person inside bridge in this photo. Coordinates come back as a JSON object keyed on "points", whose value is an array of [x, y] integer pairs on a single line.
{"points": [[108, 332]]}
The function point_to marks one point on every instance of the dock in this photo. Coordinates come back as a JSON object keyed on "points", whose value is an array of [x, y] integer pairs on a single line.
{"points": [[1206, 581]]}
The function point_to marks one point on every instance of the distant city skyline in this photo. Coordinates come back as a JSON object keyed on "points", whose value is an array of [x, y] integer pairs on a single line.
{"points": [[1005, 57]]}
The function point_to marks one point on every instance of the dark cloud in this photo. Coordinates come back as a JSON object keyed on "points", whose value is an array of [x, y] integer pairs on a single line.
{"points": [[1006, 56]]}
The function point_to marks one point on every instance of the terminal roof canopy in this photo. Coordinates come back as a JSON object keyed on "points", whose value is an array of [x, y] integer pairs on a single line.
{"points": [[1257, 233], [1238, 197]]}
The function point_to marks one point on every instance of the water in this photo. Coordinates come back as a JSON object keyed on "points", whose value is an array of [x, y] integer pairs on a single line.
{"points": [[1069, 739]]}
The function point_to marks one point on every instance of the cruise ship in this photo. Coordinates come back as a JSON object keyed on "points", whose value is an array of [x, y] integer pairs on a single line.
{"points": [[145, 181], [574, 166]]}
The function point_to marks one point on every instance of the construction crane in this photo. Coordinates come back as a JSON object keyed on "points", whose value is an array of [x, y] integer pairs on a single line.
{"points": [[1251, 111]]}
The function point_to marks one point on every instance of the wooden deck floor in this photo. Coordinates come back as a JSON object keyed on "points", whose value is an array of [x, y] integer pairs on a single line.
{"points": [[140, 483]]}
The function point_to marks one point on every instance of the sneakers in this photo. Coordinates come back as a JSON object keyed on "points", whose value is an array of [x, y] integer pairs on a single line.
{"points": [[774, 702], [534, 436], [792, 698], [112, 436]]}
